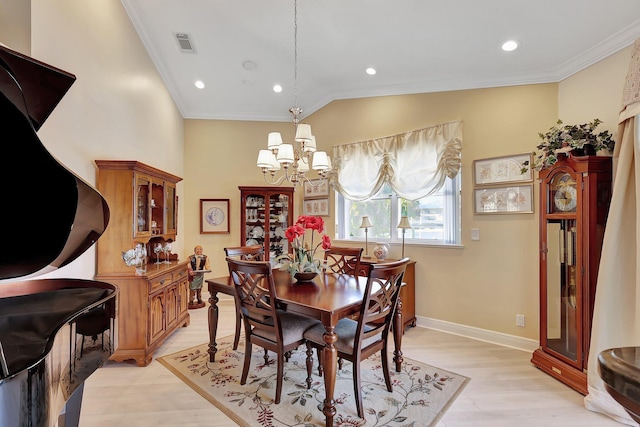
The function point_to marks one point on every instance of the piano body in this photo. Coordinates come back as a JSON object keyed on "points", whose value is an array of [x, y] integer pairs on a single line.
{"points": [[54, 333]]}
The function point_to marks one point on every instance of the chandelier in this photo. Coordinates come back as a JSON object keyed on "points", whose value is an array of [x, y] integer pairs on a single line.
{"points": [[296, 161]]}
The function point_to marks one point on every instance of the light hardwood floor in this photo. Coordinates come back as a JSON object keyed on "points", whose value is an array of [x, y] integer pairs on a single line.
{"points": [[505, 389]]}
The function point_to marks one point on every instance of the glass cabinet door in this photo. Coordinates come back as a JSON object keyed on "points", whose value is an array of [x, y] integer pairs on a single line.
{"points": [[142, 205], [255, 211], [157, 207], [170, 208], [563, 330], [278, 223]]}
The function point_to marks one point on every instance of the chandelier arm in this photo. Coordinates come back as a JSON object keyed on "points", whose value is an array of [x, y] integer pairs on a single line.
{"points": [[273, 181]]}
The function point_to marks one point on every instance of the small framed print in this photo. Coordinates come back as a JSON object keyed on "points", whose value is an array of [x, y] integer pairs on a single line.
{"points": [[503, 170], [214, 216], [316, 189], [316, 207], [503, 200]]}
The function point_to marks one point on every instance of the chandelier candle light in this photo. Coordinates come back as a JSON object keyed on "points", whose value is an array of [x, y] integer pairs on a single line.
{"points": [[366, 224], [295, 162], [404, 225]]}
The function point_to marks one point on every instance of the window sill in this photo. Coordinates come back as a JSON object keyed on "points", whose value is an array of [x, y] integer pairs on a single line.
{"points": [[421, 244]]}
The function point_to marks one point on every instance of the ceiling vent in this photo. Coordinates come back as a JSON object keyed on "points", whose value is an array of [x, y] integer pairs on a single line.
{"points": [[184, 43]]}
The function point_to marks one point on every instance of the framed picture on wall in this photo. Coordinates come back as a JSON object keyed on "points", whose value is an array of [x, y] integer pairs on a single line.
{"points": [[503, 200], [503, 170], [214, 216], [316, 188], [316, 207]]}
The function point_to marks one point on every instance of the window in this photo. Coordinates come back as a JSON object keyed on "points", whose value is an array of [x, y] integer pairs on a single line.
{"points": [[434, 219]]}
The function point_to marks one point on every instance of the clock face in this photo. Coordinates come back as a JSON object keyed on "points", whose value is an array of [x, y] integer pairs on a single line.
{"points": [[214, 216], [565, 196]]}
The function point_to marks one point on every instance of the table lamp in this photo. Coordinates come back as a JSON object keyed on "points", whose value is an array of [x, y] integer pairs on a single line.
{"points": [[366, 224], [404, 224]]}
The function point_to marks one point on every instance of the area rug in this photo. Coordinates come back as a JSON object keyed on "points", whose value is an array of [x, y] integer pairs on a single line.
{"points": [[421, 393]]}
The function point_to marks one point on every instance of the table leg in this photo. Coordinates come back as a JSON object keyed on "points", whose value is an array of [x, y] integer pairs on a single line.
{"points": [[329, 362], [213, 325], [398, 330]]}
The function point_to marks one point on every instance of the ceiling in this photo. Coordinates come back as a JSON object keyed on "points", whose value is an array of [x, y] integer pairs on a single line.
{"points": [[416, 46]]}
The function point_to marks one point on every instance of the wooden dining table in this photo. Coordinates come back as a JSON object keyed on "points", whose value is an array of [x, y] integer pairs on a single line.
{"points": [[328, 298]]}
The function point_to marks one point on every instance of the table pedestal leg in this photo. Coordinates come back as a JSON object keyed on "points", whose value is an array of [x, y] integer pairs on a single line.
{"points": [[330, 362], [213, 325], [398, 330]]}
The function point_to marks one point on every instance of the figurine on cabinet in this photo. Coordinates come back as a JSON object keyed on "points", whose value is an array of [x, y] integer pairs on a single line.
{"points": [[197, 266]]}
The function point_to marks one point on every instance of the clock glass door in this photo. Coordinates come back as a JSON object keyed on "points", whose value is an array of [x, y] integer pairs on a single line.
{"points": [[564, 193], [562, 316]]}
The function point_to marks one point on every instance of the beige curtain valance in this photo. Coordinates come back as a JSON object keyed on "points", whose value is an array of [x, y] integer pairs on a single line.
{"points": [[415, 163]]}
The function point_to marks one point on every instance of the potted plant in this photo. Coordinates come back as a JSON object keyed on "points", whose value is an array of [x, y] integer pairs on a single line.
{"points": [[561, 139], [304, 266]]}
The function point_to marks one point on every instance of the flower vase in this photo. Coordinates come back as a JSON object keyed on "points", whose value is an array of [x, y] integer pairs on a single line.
{"points": [[305, 276]]}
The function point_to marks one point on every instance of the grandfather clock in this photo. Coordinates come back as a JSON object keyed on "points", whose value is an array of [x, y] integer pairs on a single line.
{"points": [[574, 201]]}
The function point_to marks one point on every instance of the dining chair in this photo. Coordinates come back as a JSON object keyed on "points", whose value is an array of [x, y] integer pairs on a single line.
{"points": [[248, 253], [264, 324], [343, 260], [359, 339]]}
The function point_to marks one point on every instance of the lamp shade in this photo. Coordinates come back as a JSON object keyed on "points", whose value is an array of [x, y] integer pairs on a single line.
{"points": [[309, 146], [404, 222], [365, 222], [320, 161], [264, 158], [303, 132], [285, 154], [274, 140], [275, 166]]}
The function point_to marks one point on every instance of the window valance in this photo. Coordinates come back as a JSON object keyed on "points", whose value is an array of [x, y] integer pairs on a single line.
{"points": [[415, 163]]}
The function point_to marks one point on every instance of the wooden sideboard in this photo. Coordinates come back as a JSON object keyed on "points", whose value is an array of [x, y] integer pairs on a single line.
{"points": [[153, 300], [151, 306], [407, 293]]}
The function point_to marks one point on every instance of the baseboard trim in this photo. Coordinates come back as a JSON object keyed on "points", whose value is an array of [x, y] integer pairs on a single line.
{"points": [[506, 340]]}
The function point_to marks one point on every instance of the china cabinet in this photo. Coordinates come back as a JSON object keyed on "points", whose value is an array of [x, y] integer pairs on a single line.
{"points": [[266, 212], [153, 297], [574, 202]]}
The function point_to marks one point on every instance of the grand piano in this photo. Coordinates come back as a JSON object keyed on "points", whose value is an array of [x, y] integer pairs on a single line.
{"points": [[54, 333]]}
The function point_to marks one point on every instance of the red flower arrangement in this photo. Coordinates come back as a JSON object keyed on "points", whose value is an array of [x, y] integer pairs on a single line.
{"points": [[303, 254]]}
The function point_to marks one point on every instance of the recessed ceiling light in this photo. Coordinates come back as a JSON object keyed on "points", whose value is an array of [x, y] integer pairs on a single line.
{"points": [[371, 71], [277, 88], [509, 45], [199, 84]]}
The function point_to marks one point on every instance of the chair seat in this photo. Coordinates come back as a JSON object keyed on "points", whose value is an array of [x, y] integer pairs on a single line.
{"points": [[293, 326], [346, 331]]}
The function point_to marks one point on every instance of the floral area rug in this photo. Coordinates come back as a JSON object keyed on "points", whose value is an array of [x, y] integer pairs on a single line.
{"points": [[421, 393]]}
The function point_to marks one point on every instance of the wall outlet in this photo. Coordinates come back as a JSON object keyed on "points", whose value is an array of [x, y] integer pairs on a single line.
{"points": [[520, 320]]}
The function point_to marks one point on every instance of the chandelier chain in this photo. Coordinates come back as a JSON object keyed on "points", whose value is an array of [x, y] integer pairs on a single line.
{"points": [[295, 54]]}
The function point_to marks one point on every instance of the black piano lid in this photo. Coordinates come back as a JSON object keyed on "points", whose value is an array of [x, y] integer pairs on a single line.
{"points": [[50, 216], [43, 85]]}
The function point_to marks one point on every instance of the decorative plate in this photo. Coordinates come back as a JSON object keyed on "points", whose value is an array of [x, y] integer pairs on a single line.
{"points": [[257, 231]]}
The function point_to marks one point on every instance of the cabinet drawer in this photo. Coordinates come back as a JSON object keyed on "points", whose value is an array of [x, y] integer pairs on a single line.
{"points": [[179, 275], [159, 282]]}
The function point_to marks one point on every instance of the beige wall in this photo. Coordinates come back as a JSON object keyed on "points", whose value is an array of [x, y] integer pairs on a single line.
{"points": [[118, 108], [15, 25], [483, 284]]}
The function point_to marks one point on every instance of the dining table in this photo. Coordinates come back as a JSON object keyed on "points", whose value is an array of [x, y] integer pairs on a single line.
{"points": [[329, 297]]}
